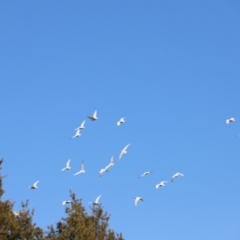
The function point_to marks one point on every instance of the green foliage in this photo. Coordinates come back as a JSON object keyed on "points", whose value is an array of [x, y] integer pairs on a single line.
{"points": [[77, 225]]}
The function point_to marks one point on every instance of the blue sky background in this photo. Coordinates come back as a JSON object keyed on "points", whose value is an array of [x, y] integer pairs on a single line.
{"points": [[170, 67]]}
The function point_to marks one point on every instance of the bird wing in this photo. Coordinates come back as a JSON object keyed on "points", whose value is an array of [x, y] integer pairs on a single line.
{"points": [[82, 124], [97, 199], [118, 123], [126, 147], [120, 155], [180, 174], [82, 167], [95, 114], [136, 201], [68, 163], [35, 184], [111, 161]]}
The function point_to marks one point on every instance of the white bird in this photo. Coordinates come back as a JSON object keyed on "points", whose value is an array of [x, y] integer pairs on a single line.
{"points": [[176, 175], [230, 120], [145, 174], [110, 164], [77, 134], [124, 151], [137, 199], [103, 170], [16, 214], [66, 202], [96, 202], [81, 126], [122, 120], [34, 186], [94, 116], [82, 170], [67, 166], [161, 184]]}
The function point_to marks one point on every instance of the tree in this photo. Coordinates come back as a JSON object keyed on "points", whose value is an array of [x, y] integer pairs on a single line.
{"points": [[77, 225]]}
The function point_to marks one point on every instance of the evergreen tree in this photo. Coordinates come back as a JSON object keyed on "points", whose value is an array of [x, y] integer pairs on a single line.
{"points": [[78, 225]]}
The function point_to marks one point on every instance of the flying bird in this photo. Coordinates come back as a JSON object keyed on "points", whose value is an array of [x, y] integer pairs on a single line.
{"points": [[230, 120], [94, 116], [176, 175], [124, 151], [110, 164], [81, 126], [161, 184], [122, 120], [82, 170], [67, 166], [66, 202], [77, 134], [96, 202], [34, 186], [103, 170], [16, 214], [137, 199], [145, 174]]}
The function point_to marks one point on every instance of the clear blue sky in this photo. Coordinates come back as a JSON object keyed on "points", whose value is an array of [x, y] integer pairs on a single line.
{"points": [[170, 67]]}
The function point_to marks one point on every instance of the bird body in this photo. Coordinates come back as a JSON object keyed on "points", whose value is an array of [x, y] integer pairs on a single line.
{"points": [[34, 186], [230, 120], [161, 184], [77, 134], [137, 199], [103, 170], [66, 202], [124, 151], [81, 126], [176, 175], [67, 166], [96, 202], [122, 120], [145, 174], [82, 170], [110, 164], [94, 116]]}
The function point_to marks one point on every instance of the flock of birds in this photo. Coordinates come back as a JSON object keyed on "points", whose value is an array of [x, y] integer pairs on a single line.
{"points": [[111, 163], [103, 170]]}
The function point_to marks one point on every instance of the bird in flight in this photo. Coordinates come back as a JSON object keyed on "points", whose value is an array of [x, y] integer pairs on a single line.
{"points": [[81, 126], [124, 151], [103, 170], [67, 166], [137, 199], [121, 120], [176, 175], [161, 184], [94, 116], [96, 202], [16, 214], [145, 174], [110, 164], [77, 134], [230, 120], [34, 186], [82, 170], [66, 202]]}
